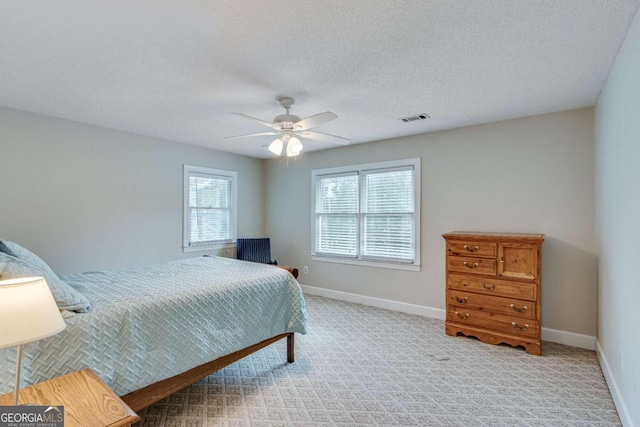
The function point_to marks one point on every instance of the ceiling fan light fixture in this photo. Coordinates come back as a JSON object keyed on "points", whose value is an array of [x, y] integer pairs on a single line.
{"points": [[294, 147], [276, 146]]}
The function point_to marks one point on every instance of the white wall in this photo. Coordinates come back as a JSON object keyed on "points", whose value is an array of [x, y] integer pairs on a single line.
{"points": [[527, 175], [617, 136], [85, 198]]}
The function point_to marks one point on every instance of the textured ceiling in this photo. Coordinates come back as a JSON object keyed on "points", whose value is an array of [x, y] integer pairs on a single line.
{"points": [[177, 69]]}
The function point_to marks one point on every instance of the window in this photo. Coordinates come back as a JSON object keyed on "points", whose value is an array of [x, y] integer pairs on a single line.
{"points": [[209, 218], [368, 214]]}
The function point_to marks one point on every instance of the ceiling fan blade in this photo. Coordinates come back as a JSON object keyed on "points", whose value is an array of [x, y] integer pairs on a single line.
{"points": [[325, 137], [314, 121], [262, 122], [252, 134]]}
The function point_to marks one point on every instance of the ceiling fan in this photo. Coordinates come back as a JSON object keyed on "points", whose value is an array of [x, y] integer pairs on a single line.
{"points": [[288, 127]]}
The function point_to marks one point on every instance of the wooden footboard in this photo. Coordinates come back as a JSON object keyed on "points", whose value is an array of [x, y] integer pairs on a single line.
{"points": [[157, 391]]}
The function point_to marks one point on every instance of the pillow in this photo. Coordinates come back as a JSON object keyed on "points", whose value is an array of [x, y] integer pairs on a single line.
{"points": [[24, 254], [65, 296]]}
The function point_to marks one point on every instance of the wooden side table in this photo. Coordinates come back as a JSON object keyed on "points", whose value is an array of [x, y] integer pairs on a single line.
{"points": [[87, 401], [292, 270]]}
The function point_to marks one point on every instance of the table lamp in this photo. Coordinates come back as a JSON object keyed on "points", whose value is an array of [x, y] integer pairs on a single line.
{"points": [[28, 313]]}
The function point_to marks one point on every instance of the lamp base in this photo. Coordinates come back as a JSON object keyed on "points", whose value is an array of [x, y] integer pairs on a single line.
{"points": [[16, 394]]}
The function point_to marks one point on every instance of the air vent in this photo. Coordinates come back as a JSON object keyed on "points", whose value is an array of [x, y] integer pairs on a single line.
{"points": [[423, 116]]}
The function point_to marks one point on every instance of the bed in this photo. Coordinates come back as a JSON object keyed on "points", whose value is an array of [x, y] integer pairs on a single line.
{"points": [[155, 329]]}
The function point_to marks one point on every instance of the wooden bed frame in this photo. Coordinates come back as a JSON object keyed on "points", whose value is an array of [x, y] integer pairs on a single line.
{"points": [[157, 391]]}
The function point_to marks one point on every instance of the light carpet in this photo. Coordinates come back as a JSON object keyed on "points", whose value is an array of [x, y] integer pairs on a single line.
{"points": [[360, 365]]}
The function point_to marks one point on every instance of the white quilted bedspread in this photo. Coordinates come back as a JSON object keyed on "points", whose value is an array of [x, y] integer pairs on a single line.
{"points": [[153, 322]]}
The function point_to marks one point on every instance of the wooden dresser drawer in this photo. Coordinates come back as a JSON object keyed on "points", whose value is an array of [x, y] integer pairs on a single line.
{"points": [[508, 306], [472, 265], [526, 291], [498, 322], [476, 249]]}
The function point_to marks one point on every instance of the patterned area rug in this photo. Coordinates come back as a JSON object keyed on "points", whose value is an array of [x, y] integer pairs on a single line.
{"points": [[365, 366]]}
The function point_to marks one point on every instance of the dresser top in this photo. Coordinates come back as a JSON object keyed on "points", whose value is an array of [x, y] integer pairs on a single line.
{"points": [[484, 235]]}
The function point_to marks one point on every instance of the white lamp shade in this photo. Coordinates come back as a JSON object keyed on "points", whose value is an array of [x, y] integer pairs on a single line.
{"points": [[276, 147], [28, 311], [294, 147]]}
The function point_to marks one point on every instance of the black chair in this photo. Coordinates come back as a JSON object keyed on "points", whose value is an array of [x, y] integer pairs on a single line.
{"points": [[259, 250], [256, 250]]}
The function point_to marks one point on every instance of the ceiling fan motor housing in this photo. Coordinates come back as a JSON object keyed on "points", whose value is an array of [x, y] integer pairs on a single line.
{"points": [[286, 121]]}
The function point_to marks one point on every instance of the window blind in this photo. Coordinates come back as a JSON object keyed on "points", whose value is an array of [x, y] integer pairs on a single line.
{"points": [[209, 209], [387, 217], [367, 214], [337, 214]]}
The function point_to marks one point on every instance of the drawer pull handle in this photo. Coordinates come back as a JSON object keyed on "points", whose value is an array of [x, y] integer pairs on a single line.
{"points": [[461, 300], [466, 315], [519, 310], [470, 267], [489, 287], [473, 249], [520, 328]]}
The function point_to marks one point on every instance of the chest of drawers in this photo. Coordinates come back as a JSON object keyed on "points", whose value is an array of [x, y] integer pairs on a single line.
{"points": [[493, 287]]}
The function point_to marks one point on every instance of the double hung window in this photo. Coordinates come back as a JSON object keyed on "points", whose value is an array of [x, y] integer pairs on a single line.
{"points": [[209, 219], [368, 214]]}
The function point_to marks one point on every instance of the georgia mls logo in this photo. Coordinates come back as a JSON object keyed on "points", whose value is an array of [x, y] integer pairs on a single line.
{"points": [[31, 416]]}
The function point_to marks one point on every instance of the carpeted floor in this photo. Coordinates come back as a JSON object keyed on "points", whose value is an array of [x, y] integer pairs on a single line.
{"points": [[360, 365]]}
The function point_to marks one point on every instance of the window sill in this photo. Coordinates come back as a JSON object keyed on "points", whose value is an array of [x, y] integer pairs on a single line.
{"points": [[362, 263], [218, 246]]}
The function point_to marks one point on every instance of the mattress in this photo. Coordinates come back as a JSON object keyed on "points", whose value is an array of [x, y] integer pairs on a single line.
{"points": [[153, 322]]}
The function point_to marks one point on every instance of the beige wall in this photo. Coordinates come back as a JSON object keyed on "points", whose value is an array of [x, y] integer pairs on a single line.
{"points": [[617, 136], [527, 175], [86, 198]]}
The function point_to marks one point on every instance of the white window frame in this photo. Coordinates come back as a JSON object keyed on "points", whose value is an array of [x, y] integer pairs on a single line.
{"points": [[223, 244], [361, 170]]}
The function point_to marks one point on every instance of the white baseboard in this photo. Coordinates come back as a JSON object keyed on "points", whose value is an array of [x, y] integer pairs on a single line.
{"points": [[623, 412], [569, 338], [553, 335], [421, 310]]}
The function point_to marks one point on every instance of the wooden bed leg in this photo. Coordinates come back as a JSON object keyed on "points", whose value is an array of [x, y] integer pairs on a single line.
{"points": [[290, 348]]}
